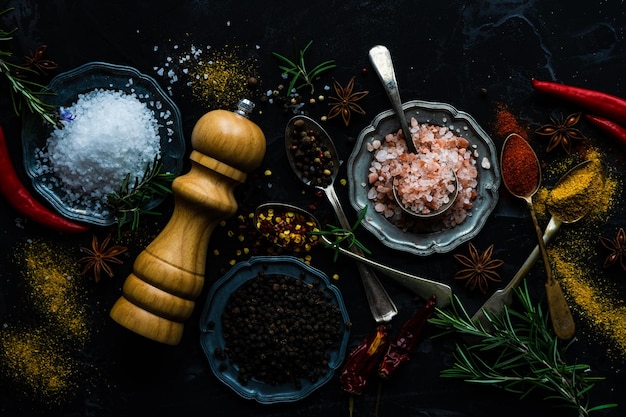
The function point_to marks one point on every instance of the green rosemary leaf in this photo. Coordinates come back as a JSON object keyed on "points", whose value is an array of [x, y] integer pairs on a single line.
{"points": [[602, 407], [289, 70], [159, 188], [324, 66], [132, 199], [299, 70], [286, 60], [520, 355]]}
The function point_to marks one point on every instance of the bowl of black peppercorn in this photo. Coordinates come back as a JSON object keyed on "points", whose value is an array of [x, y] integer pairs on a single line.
{"points": [[274, 329]]}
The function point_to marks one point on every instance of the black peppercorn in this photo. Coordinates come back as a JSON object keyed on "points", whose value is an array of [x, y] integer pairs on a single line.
{"points": [[287, 341]]}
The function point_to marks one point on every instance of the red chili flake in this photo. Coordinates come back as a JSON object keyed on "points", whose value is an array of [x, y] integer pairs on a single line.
{"points": [[288, 229]]}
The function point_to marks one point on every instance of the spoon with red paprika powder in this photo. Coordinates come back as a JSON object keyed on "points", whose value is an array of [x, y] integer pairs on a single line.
{"points": [[521, 175]]}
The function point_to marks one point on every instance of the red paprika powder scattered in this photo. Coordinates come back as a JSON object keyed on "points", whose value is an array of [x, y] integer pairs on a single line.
{"points": [[520, 168], [506, 123]]}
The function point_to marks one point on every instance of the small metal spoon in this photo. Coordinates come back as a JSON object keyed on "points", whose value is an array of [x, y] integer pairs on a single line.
{"points": [[380, 57], [422, 287], [560, 314], [381, 305], [504, 296], [434, 213]]}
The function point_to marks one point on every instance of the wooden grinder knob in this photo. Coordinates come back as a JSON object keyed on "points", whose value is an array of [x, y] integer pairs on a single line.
{"points": [[169, 274]]}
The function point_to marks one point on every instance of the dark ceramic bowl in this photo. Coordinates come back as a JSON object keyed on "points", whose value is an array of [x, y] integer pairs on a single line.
{"points": [[212, 339]]}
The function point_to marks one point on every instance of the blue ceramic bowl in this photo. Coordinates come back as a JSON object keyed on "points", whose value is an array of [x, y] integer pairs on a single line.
{"points": [[66, 88], [211, 337]]}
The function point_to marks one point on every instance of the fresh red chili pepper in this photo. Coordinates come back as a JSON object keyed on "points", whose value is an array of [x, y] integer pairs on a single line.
{"points": [[362, 360], [19, 197], [405, 342], [596, 102], [615, 130]]}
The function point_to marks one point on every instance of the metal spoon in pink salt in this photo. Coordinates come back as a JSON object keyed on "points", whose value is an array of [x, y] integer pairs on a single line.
{"points": [[403, 191]]}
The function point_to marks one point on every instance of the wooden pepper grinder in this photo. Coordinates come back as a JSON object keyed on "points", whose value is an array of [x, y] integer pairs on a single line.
{"points": [[169, 274]]}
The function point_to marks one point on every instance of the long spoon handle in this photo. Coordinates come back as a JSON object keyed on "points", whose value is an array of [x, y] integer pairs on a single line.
{"points": [[560, 314], [423, 287], [504, 296], [381, 305], [380, 57]]}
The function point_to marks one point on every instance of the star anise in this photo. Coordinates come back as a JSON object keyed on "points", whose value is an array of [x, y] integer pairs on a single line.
{"points": [[345, 102], [37, 61], [480, 269], [99, 257], [617, 249], [562, 132]]}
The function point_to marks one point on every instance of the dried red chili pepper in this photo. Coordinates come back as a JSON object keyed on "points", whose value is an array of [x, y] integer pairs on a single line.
{"points": [[19, 197], [615, 130], [602, 104], [362, 360], [399, 350]]}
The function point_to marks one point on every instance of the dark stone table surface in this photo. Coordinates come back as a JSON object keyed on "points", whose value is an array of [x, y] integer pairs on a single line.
{"points": [[476, 55]]}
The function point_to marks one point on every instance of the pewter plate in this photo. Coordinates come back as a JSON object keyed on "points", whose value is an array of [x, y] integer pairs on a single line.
{"points": [[428, 242], [65, 89]]}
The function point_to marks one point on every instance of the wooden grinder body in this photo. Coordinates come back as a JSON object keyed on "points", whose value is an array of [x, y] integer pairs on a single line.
{"points": [[159, 295]]}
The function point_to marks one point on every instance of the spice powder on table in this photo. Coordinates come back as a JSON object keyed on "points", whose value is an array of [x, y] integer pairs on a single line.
{"points": [[506, 123], [592, 295], [38, 359]]}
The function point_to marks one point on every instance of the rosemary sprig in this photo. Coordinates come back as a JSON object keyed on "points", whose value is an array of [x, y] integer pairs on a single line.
{"points": [[133, 195], [22, 90], [519, 355], [299, 69], [337, 236]]}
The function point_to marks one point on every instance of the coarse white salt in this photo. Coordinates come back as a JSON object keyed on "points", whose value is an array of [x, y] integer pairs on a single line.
{"points": [[111, 134]]}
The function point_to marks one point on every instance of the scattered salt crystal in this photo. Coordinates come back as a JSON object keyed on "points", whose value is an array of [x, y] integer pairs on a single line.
{"points": [[485, 163]]}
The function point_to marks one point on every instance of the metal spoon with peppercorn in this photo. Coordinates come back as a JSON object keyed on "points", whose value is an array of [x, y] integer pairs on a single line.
{"points": [[296, 229], [404, 187], [313, 157]]}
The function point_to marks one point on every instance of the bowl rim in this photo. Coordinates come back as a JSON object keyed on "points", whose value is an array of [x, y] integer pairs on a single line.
{"points": [[173, 147], [434, 242], [211, 336]]}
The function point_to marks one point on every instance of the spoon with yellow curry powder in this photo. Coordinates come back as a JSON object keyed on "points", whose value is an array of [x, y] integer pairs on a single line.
{"points": [[568, 202], [521, 175]]}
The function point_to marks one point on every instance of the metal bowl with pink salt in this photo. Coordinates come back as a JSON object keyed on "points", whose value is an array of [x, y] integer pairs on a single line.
{"points": [[446, 138]]}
